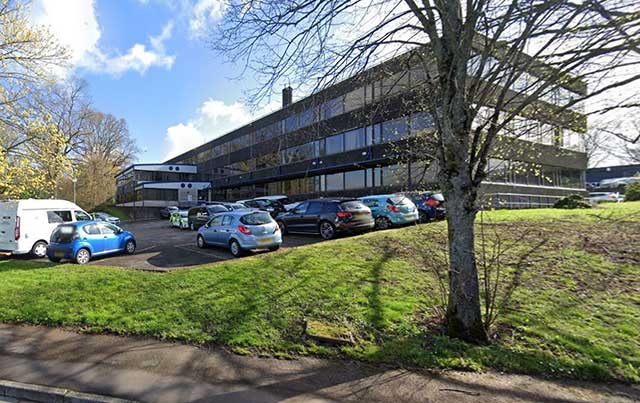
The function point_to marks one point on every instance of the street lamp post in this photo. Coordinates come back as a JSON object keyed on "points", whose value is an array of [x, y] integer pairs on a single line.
{"points": [[74, 180]]}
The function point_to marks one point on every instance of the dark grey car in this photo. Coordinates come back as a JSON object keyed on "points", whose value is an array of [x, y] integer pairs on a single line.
{"points": [[327, 217], [198, 216]]}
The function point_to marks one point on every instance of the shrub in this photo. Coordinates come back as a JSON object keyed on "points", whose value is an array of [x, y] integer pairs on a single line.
{"points": [[632, 192], [572, 202]]}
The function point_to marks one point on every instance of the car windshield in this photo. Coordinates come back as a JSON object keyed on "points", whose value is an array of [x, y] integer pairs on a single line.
{"points": [[63, 234], [217, 209], [183, 213], [257, 218]]}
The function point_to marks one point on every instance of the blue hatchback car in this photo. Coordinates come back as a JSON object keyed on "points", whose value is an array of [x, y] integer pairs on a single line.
{"points": [[390, 210], [241, 231], [80, 241]]}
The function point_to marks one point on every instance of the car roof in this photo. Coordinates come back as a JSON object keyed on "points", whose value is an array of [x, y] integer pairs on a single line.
{"points": [[275, 197], [333, 199]]}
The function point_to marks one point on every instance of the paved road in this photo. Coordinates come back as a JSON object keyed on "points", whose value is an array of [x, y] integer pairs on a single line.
{"points": [[163, 248], [149, 370]]}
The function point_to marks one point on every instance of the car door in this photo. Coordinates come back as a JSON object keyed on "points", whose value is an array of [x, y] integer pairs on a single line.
{"points": [[373, 204], [226, 228], [92, 234], [294, 219], [311, 218], [211, 232], [111, 235]]}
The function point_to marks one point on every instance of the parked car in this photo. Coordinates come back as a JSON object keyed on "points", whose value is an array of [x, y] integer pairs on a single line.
{"points": [[600, 197], [26, 225], [327, 217], [179, 219], [241, 231], [273, 207], [167, 211], [430, 205], [392, 209], [198, 216], [82, 241], [282, 199], [100, 216], [230, 206]]}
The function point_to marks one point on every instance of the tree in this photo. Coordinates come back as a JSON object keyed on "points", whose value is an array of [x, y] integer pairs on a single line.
{"points": [[510, 56], [106, 148]]}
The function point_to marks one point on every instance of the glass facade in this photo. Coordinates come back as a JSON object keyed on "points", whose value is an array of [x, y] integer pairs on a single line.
{"points": [[298, 151]]}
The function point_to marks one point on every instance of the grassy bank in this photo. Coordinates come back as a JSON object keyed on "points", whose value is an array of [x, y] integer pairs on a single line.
{"points": [[576, 315]]}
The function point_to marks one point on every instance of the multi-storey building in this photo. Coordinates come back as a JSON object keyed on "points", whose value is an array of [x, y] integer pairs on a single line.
{"points": [[355, 138]]}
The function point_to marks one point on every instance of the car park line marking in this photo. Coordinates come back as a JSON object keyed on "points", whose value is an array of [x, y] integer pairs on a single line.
{"points": [[147, 248], [208, 254]]}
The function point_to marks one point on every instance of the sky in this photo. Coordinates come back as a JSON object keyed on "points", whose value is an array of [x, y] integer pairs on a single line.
{"points": [[147, 61]]}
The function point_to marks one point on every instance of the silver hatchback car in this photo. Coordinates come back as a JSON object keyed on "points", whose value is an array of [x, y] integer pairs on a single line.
{"points": [[241, 231]]}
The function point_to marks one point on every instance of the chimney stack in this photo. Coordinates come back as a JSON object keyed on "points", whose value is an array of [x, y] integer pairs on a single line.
{"points": [[287, 96]]}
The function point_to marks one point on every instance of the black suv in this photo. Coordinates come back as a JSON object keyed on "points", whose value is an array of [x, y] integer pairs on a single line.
{"points": [[198, 216], [327, 217], [274, 207]]}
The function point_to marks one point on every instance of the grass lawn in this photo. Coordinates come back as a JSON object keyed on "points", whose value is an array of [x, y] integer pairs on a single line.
{"points": [[576, 314]]}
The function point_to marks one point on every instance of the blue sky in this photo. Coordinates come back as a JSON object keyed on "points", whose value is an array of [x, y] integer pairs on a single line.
{"points": [[148, 62]]}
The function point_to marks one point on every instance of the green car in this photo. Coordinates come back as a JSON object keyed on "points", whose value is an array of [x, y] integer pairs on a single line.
{"points": [[179, 219]]}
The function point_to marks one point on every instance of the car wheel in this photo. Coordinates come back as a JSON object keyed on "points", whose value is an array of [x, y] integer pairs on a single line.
{"points": [[235, 248], [282, 227], [54, 259], [83, 256], [274, 248], [327, 230], [424, 217], [39, 249], [130, 247], [201, 242], [382, 223]]}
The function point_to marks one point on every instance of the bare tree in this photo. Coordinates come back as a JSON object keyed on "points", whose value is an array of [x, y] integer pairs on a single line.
{"points": [[512, 57]]}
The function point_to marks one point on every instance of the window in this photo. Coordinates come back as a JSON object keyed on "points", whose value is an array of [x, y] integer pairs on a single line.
{"points": [[108, 229], [335, 182], [374, 177], [373, 134], [82, 216], [354, 180], [227, 220], [59, 216], [291, 123], [354, 139], [334, 144], [258, 218], [91, 229], [315, 208], [394, 175], [215, 221], [307, 117], [394, 130], [420, 122], [354, 99], [333, 107], [301, 208], [370, 202]]}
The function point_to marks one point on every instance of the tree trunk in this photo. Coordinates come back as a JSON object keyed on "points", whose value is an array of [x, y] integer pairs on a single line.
{"points": [[464, 320]]}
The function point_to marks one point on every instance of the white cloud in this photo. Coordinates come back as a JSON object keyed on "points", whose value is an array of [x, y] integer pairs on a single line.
{"points": [[212, 119], [203, 13], [75, 25]]}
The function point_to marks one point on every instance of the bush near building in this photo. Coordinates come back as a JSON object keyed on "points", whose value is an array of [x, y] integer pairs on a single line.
{"points": [[632, 192]]}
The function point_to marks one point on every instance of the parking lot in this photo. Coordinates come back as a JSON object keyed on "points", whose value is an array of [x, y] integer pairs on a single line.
{"points": [[162, 248]]}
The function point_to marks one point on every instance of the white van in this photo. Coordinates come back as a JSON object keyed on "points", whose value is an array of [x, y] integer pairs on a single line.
{"points": [[26, 225]]}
